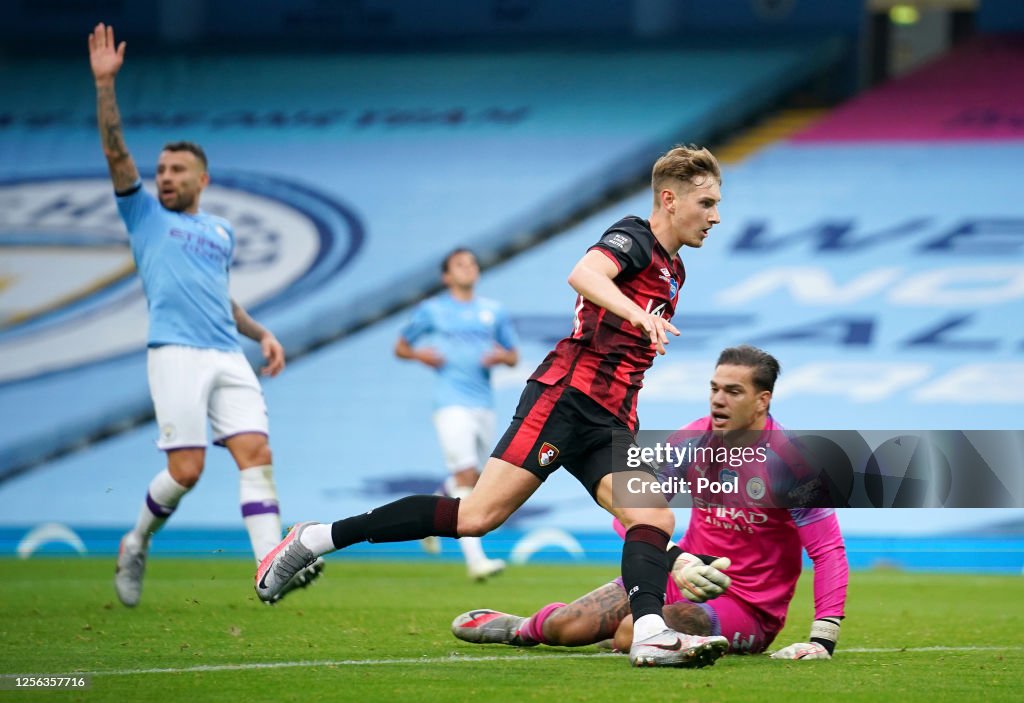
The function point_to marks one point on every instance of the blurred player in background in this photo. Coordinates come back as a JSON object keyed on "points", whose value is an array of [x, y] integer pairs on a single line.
{"points": [[764, 545], [578, 410], [195, 364], [472, 335]]}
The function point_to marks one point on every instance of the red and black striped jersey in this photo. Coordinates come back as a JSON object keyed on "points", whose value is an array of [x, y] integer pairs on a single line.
{"points": [[606, 357]]}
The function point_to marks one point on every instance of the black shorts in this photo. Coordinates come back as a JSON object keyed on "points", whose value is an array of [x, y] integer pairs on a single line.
{"points": [[557, 426]]}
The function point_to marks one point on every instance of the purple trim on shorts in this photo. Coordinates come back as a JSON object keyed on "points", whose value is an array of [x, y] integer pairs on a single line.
{"points": [[221, 440], [261, 507], [184, 446], [160, 511], [716, 626]]}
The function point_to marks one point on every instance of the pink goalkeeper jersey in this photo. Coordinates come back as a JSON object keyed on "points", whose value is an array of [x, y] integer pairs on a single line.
{"points": [[765, 543]]}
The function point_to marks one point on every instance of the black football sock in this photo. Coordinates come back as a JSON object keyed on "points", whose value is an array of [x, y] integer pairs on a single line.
{"points": [[406, 519], [644, 570]]}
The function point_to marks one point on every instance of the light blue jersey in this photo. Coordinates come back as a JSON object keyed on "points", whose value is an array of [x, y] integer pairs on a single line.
{"points": [[463, 333], [183, 262]]}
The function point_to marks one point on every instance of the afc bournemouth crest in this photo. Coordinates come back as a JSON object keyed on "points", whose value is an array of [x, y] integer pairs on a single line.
{"points": [[548, 453]]}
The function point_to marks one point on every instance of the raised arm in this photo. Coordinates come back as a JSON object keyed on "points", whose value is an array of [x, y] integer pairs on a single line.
{"points": [[272, 350], [106, 58]]}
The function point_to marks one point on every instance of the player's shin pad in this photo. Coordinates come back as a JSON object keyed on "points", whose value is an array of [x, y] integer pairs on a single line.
{"points": [[409, 518], [644, 570]]}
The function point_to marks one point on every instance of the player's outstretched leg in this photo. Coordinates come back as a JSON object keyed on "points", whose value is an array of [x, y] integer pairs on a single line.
{"points": [[491, 627], [410, 518], [504, 488]]}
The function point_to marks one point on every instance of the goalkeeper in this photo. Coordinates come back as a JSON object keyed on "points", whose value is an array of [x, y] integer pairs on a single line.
{"points": [[734, 572]]}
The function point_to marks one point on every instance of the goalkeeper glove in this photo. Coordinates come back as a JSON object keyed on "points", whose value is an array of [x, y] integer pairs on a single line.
{"points": [[698, 576], [824, 635]]}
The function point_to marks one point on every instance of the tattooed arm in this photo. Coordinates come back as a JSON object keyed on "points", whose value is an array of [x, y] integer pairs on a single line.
{"points": [[106, 59]]}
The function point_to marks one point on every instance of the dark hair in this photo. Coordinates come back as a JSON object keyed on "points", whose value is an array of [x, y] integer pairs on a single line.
{"points": [[765, 367], [455, 252], [190, 147]]}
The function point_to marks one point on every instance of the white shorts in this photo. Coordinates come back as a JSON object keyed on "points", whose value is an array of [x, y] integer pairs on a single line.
{"points": [[466, 435], [189, 385]]}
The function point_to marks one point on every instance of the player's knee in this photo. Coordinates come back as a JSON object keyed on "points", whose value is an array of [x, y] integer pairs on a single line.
{"points": [[254, 454], [479, 514], [261, 455], [250, 449], [665, 521], [561, 628], [476, 523], [474, 526], [662, 518], [186, 475]]}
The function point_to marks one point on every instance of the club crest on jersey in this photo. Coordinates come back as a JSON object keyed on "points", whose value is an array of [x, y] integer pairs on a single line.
{"points": [[547, 454], [756, 488], [673, 284]]}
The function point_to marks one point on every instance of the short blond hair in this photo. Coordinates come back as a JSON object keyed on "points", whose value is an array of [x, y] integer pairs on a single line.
{"points": [[686, 164]]}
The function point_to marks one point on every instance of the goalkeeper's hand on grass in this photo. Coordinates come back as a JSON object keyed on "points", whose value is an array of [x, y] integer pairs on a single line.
{"points": [[824, 635], [803, 650], [700, 577]]}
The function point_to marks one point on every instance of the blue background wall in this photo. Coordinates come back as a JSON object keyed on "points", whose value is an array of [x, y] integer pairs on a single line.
{"points": [[887, 276]]}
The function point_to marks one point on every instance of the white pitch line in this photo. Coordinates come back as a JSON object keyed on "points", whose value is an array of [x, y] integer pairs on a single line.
{"points": [[457, 659], [897, 650], [344, 662]]}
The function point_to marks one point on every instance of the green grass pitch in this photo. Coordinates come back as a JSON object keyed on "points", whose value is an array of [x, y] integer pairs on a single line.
{"points": [[371, 631]]}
